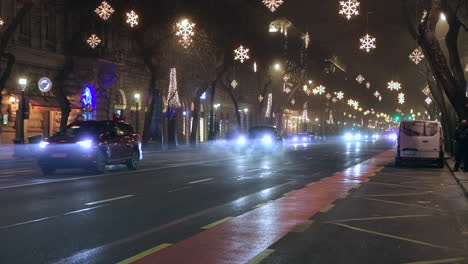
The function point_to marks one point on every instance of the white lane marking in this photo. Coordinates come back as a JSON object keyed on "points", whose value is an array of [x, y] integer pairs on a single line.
{"points": [[204, 180], [180, 189], [110, 199], [54, 216], [109, 174], [253, 170]]}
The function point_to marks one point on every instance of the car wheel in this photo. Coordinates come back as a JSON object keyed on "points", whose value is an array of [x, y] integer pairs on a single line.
{"points": [[100, 163], [132, 164], [48, 171]]}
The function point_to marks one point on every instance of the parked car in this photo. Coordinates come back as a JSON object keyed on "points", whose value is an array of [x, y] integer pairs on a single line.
{"points": [[91, 145], [420, 141]]}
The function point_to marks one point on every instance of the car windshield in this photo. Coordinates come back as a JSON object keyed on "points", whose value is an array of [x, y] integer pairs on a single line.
{"points": [[84, 128]]}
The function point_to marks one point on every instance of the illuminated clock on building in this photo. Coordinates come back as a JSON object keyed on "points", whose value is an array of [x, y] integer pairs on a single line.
{"points": [[44, 84]]}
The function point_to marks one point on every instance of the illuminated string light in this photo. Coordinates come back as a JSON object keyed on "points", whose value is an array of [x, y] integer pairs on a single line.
{"points": [[368, 43], [104, 10], [349, 8], [132, 19], [173, 94], [234, 84]]}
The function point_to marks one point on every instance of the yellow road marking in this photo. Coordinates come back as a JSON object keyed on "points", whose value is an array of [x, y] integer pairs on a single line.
{"points": [[217, 222], [392, 236], [377, 218], [413, 205], [310, 184], [327, 208], [396, 194], [344, 196], [367, 180], [145, 253], [303, 227], [262, 204], [260, 257], [324, 178], [288, 193], [437, 261], [357, 186]]}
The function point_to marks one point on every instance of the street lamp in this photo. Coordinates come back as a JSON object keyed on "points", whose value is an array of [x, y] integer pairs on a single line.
{"points": [[23, 110], [137, 97]]}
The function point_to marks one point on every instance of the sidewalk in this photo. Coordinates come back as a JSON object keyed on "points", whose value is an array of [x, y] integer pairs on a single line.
{"points": [[402, 215], [460, 176]]}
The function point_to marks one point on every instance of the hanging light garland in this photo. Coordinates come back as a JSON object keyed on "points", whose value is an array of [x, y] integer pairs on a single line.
{"points": [[368, 43], [93, 41], [132, 19], [416, 56], [241, 54], [349, 8], [273, 5], [104, 10]]}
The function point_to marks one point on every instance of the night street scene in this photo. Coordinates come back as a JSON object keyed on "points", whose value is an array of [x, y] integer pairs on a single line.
{"points": [[233, 131]]}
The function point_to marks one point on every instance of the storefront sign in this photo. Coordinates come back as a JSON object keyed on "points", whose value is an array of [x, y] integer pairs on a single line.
{"points": [[44, 84]]}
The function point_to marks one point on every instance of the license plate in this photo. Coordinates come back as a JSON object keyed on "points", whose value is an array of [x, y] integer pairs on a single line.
{"points": [[58, 155]]}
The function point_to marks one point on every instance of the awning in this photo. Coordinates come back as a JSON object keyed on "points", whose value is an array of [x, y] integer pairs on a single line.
{"points": [[47, 103]]}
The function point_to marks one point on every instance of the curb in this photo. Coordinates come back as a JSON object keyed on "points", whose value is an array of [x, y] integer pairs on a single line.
{"points": [[460, 177]]}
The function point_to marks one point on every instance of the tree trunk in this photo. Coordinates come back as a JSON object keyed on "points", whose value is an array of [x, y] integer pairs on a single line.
{"points": [[195, 121], [212, 132], [59, 91], [153, 92], [236, 104]]}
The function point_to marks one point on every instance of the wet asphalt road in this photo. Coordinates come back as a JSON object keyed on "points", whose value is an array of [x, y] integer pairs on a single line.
{"points": [[78, 217]]}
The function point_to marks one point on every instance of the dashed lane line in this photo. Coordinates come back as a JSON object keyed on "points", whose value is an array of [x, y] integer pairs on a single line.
{"points": [[145, 253], [204, 180], [110, 199], [180, 189], [217, 222]]}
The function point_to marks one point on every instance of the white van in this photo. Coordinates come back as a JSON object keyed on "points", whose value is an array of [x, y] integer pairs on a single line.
{"points": [[420, 141]]}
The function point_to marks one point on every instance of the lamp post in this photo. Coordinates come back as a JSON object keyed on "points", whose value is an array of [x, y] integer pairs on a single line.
{"points": [[23, 82], [137, 97]]}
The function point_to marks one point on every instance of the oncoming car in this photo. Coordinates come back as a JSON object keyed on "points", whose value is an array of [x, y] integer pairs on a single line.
{"points": [[260, 138], [360, 136], [91, 145]]}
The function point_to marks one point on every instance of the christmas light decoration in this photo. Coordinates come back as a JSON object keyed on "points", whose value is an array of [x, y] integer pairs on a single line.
{"points": [[340, 95], [394, 86], [293, 102], [305, 115], [426, 91], [260, 98], [401, 98], [308, 92], [234, 84], [104, 10], [315, 91], [185, 30], [306, 40], [255, 66], [269, 104], [360, 78], [321, 89], [349, 8], [287, 90], [368, 43], [334, 100], [368, 85], [273, 4], [428, 100], [132, 19], [2, 22], [417, 56], [328, 96], [424, 15], [305, 88], [173, 95], [377, 94], [241, 54], [351, 102], [93, 41]]}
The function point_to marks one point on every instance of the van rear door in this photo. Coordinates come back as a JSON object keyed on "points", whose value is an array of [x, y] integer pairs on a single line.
{"points": [[420, 139]]}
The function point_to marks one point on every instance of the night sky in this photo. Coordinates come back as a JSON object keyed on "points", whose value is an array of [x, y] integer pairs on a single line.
{"points": [[388, 62]]}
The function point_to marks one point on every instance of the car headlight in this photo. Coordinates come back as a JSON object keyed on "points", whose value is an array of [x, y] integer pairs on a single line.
{"points": [[86, 144], [295, 139], [43, 144], [241, 140], [358, 136], [348, 136], [304, 139], [267, 140]]}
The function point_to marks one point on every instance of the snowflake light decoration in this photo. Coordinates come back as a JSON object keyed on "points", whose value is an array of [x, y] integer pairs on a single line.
{"points": [[305, 88], [2, 22], [360, 78], [349, 8], [377, 94], [185, 29], [351, 102], [321, 89], [104, 10], [334, 100], [426, 91], [260, 98], [428, 100], [328, 96], [93, 41], [132, 19], [368, 43], [234, 84], [241, 54], [416, 56], [394, 86], [401, 98], [340, 95], [306, 40], [273, 4]]}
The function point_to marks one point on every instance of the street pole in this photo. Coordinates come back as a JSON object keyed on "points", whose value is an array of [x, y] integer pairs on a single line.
{"points": [[137, 109], [23, 82]]}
